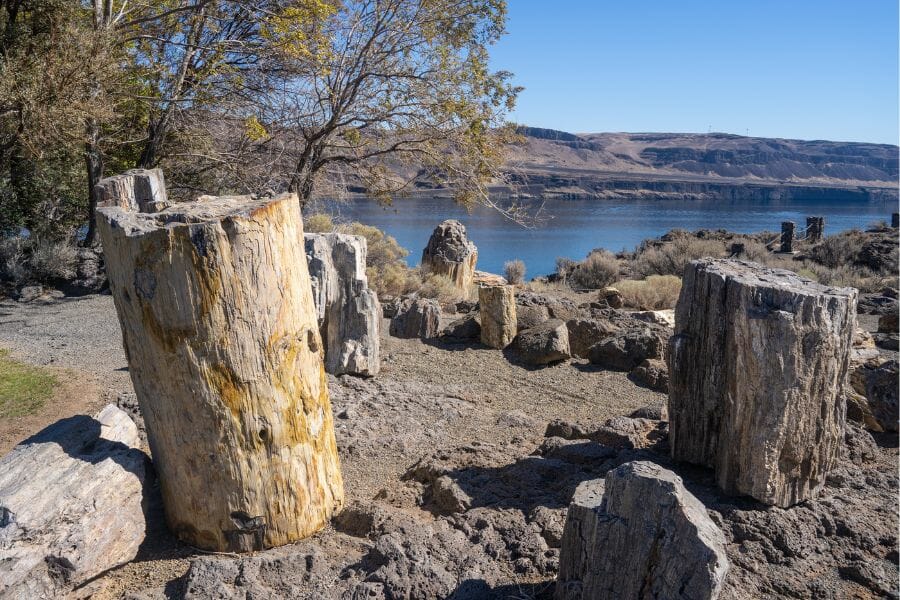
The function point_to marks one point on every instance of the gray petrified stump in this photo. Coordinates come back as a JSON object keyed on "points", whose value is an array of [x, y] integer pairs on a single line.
{"points": [[449, 252], [639, 534], [497, 308], [348, 311], [224, 350], [138, 190], [756, 368], [71, 504]]}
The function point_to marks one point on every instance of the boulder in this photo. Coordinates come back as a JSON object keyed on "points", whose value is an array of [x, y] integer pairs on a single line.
{"points": [[627, 349], [878, 382], [29, 293], [556, 308], [585, 333], [463, 330], [348, 312], [449, 252], [756, 371], [416, 318], [547, 343], [71, 504], [652, 373], [887, 341], [485, 278], [858, 411], [888, 323], [530, 315], [497, 307], [639, 534], [666, 318], [629, 432], [612, 297]]}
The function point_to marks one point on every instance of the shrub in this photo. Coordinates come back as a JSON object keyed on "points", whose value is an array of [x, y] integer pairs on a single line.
{"points": [[385, 265], [440, 288], [12, 258], [564, 267], [757, 252], [598, 270], [52, 260], [657, 292], [838, 250], [861, 278], [514, 271], [318, 223], [671, 258]]}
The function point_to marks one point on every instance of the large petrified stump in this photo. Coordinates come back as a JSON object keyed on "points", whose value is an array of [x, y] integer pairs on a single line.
{"points": [[756, 368], [224, 350], [639, 534], [497, 307], [71, 504], [348, 311], [449, 252]]}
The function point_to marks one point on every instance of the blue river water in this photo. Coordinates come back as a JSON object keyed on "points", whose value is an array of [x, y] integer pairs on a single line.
{"points": [[575, 227]]}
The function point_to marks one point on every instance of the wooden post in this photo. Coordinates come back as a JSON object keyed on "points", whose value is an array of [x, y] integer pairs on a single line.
{"points": [[787, 236], [223, 347]]}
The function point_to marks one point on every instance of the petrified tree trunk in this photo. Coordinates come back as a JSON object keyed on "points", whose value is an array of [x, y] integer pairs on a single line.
{"points": [[138, 190], [449, 252], [224, 351], [497, 306], [756, 368]]}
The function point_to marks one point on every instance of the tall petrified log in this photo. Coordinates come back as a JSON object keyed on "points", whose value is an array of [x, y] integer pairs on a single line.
{"points": [[224, 351], [756, 368], [497, 306], [449, 252]]}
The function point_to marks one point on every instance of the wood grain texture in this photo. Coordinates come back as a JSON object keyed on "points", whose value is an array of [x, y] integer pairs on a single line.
{"points": [[223, 347], [497, 307], [756, 369]]}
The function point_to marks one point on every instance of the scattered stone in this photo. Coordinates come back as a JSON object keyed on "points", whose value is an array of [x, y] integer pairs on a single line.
{"points": [[497, 308], [70, 504], [639, 534], [515, 418], [862, 339], [567, 431], [348, 312], [449, 252], [887, 341], [584, 333], [612, 297], [730, 381], [666, 318], [557, 308], [627, 349], [654, 413], [878, 304], [416, 318], [542, 345], [627, 432], [462, 331], [878, 382], [530, 315], [652, 373], [858, 410]]}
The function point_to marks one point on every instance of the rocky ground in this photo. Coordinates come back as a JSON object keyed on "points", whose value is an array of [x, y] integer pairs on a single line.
{"points": [[454, 490]]}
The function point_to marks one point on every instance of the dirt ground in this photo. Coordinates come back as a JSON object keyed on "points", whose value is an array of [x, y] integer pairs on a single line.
{"points": [[428, 396]]}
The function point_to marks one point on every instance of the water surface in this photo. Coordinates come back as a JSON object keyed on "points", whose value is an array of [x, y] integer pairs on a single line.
{"points": [[575, 227]]}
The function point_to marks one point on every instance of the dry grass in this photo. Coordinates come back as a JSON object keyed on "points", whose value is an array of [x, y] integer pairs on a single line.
{"points": [[838, 250], [441, 288], [657, 292], [39, 260], [514, 271], [672, 258]]}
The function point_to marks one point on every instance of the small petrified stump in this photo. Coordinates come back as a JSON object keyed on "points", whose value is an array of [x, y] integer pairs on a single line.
{"points": [[787, 236], [756, 368], [71, 504], [639, 534], [449, 252], [416, 318], [497, 307], [138, 190], [348, 311], [223, 347], [815, 229]]}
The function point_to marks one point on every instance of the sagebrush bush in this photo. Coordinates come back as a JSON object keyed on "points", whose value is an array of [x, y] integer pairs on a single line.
{"points": [[657, 292], [672, 258], [598, 270], [37, 260], [861, 278], [514, 271], [440, 288], [838, 250], [318, 223], [564, 267]]}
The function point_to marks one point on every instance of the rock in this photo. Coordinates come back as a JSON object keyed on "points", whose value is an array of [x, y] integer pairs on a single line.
{"points": [[888, 323], [862, 339], [449, 252], [557, 308], [29, 293], [348, 312], [666, 318], [759, 354], [528, 316], [416, 318], [497, 308], [878, 382], [654, 413], [462, 331], [628, 432], [70, 504], [547, 343], [639, 534], [887, 341], [652, 373], [612, 297], [627, 349], [584, 333], [877, 304], [485, 278], [879, 253], [858, 411], [466, 306], [566, 430]]}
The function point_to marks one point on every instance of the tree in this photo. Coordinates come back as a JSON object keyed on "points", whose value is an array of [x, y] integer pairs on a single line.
{"points": [[392, 89]]}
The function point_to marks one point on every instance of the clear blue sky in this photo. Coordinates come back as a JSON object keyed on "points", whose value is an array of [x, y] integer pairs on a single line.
{"points": [[806, 69]]}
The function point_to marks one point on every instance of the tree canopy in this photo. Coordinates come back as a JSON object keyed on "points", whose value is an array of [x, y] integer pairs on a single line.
{"points": [[234, 96]]}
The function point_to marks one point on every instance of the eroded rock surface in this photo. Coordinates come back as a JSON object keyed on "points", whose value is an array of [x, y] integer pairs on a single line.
{"points": [[544, 344], [639, 533], [416, 318], [449, 252], [71, 504]]}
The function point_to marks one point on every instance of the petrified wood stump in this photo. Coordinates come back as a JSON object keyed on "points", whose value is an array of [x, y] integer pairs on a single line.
{"points": [[756, 368], [139, 190], [497, 307], [224, 351]]}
